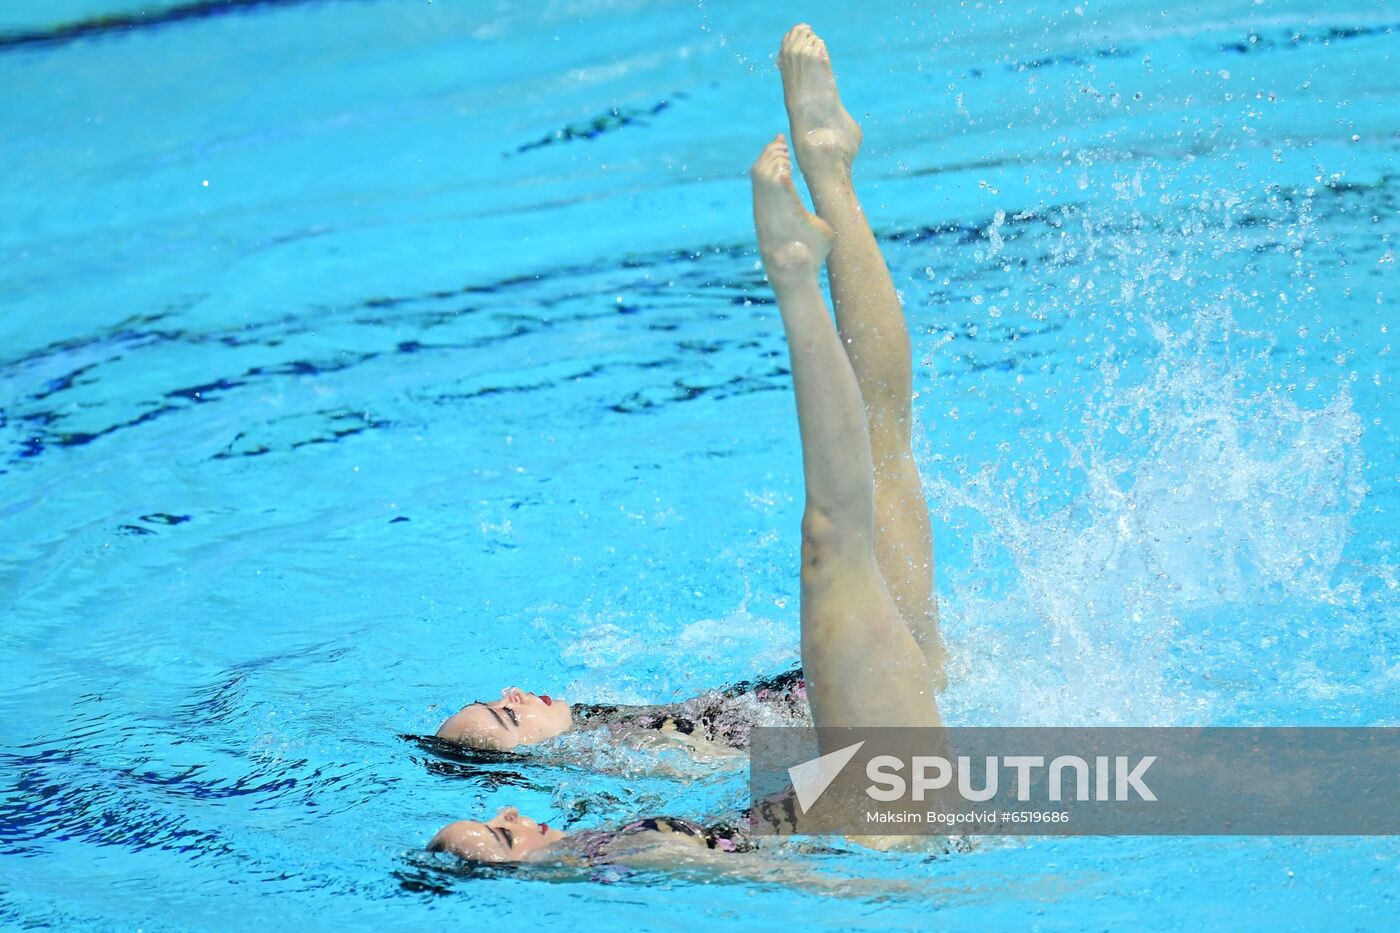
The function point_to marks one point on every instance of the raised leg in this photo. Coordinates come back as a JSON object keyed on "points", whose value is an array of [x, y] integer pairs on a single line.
{"points": [[872, 328], [861, 662]]}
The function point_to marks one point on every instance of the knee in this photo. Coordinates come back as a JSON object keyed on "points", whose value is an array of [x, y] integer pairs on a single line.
{"points": [[819, 542]]}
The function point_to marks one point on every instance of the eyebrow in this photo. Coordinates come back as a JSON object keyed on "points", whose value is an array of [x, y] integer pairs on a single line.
{"points": [[492, 711]]}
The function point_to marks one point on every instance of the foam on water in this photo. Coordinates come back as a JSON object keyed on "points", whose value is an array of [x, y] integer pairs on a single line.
{"points": [[1186, 479], [1226, 495], [621, 658]]}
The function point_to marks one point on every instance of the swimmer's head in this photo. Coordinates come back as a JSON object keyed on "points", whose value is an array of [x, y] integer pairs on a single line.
{"points": [[517, 718], [506, 837]]}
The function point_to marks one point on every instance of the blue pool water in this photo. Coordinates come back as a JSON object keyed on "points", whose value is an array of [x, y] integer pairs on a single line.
{"points": [[358, 359]]}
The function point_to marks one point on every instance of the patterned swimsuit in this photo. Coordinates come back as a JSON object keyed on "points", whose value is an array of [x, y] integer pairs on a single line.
{"points": [[595, 844], [724, 717]]}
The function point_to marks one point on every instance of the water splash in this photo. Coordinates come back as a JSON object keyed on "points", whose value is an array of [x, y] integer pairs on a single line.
{"points": [[631, 661], [1192, 495]]}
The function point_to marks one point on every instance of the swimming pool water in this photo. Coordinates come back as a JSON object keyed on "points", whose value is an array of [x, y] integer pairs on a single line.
{"points": [[358, 359]]}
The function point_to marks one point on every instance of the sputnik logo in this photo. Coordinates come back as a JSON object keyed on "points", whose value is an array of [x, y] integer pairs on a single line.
{"points": [[811, 778]]}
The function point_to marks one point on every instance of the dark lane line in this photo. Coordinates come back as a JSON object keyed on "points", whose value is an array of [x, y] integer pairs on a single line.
{"points": [[123, 22]]}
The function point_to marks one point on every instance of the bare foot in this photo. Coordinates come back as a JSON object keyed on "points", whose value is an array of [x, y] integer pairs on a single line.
{"points": [[789, 238], [823, 133]]}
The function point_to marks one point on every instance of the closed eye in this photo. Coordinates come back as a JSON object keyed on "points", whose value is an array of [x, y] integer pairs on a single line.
{"points": [[492, 711], [515, 720]]}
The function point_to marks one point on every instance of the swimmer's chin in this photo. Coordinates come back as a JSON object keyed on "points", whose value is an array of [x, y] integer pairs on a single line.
{"points": [[551, 852]]}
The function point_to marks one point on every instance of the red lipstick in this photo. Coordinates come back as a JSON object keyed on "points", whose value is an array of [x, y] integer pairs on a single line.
{"points": [[544, 698]]}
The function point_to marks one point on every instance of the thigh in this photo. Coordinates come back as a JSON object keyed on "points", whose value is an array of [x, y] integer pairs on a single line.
{"points": [[861, 662]]}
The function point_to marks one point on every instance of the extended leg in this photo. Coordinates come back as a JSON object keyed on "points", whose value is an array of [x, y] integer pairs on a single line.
{"points": [[872, 329], [862, 664]]}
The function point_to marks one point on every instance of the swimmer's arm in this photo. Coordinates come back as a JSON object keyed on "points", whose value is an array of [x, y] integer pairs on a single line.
{"points": [[697, 747], [693, 863]]}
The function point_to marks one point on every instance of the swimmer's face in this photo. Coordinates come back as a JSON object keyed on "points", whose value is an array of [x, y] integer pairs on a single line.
{"points": [[507, 837], [517, 718]]}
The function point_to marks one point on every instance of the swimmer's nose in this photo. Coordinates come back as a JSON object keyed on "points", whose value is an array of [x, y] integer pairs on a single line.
{"points": [[509, 813]]}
